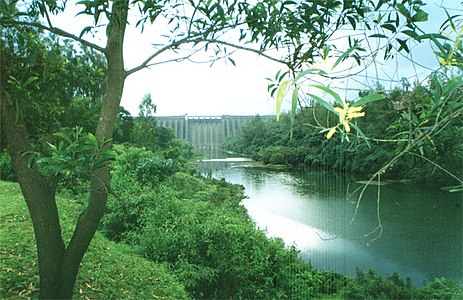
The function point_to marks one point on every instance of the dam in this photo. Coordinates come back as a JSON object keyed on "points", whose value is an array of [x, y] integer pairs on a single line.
{"points": [[205, 132]]}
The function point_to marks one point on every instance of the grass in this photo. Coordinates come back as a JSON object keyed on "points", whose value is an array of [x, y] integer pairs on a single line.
{"points": [[108, 271]]}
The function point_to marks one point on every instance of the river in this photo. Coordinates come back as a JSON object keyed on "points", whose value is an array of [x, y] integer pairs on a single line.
{"points": [[422, 229]]}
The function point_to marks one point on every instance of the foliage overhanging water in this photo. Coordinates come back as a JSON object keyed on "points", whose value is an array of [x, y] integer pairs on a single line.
{"points": [[422, 229]]}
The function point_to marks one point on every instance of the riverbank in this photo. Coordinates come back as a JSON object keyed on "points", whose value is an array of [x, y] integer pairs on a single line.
{"points": [[300, 205], [299, 142], [113, 270]]}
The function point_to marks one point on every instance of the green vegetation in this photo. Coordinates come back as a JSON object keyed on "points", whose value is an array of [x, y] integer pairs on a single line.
{"points": [[177, 235], [184, 237], [110, 270], [199, 229], [386, 126], [52, 80]]}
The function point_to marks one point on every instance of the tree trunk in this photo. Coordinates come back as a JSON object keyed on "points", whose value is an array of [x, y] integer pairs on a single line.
{"points": [[58, 266], [100, 180], [40, 199]]}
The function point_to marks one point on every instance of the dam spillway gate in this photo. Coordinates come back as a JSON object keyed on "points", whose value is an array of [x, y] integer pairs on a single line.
{"points": [[204, 132]]}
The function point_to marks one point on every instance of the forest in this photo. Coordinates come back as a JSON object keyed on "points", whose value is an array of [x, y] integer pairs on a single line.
{"points": [[96, 203]]}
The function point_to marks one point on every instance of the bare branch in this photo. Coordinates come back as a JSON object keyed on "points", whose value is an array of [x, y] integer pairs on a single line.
{"points": [[147, 61], [438, 166], [239, 47], [46, 14], [56, 31]]}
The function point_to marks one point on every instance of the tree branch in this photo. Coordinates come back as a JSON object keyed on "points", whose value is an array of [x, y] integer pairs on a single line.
{"points": [[56, 31], [239, 47], [46, 14], [145, 63], [187, 40]]}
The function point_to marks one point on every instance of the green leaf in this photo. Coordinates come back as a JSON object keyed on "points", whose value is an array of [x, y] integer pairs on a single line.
{"points": [[330, 92], [109, 153], [314, 71], [294, 101], [63, 136], [85, 30], [280, 96], [345, 55], [403, 45], [53, 147], [352, 22], [322, 102], [411, 34], [30, 80], [420, 16], [93, 141], [367, 99], [389, 27], [85, 148], [453, 188], [449, 22], [403, 10], [280, 77], [452, 85], [433, 37], [232, 61], [357, 129], [106, 141], [378, 35]]}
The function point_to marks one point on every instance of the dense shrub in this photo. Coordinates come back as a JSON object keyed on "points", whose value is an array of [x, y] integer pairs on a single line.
{"points": [[199, 228], [441, 288], [144, 166], [277, 155], [6, 168], [369, 285]]}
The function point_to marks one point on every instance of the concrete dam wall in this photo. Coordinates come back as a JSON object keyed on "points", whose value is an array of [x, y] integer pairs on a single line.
{"points": [[205, 132]]}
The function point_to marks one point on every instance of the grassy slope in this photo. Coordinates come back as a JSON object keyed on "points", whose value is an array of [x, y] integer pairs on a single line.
{"points": [[109, 270]]}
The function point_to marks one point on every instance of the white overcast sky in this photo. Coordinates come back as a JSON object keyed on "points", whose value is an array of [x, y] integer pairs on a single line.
{"points": [[198, 89]]}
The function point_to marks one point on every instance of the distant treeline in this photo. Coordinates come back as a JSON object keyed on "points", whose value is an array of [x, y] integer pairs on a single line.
{"points": [[387, 125]]}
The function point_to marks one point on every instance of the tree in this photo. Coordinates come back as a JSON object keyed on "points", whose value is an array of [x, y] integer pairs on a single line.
{"points": [[299, 30], [144, 131]]}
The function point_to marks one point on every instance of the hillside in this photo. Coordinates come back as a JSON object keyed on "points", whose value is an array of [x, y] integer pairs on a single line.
{"points": [[109, 270]]}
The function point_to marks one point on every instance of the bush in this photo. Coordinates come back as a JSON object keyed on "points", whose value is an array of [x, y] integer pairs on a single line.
{"points": [[441, 288], [217, 253], [6, 167], [144, 166], [199, 229], [278, 155], [370, 285]]}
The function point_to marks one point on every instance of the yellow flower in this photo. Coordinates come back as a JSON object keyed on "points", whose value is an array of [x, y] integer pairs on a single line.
{"points": [[346, 114], [331, 132]]}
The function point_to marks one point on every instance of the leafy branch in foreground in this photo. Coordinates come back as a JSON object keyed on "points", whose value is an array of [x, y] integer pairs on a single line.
{"points": [[422, 123], [345, 111], [74, 154]]}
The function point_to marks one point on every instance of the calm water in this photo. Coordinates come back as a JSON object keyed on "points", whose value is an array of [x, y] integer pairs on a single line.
{"points": [[422, 234]]}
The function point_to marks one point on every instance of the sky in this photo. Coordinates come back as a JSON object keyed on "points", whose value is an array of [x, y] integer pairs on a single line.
{"points": [[180, 88]]}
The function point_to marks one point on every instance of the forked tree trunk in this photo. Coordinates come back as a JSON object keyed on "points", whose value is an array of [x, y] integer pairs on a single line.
{"points": [[59, 265], [40, 199], [100, 180]]}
